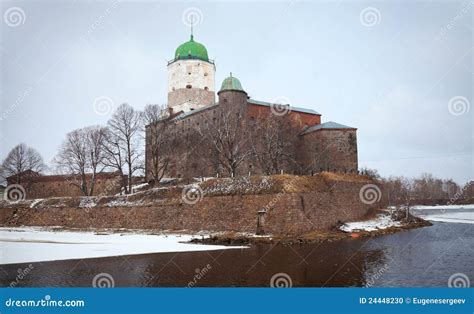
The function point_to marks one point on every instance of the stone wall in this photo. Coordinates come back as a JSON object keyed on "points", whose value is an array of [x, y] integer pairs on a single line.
{"points": [[318, 207], [62, 186]]}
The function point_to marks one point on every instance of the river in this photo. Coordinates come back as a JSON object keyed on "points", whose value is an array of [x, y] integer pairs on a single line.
{"points": [[425, 257]]}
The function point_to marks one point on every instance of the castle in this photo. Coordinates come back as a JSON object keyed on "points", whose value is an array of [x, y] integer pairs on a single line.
{"points": [[195, 136]]}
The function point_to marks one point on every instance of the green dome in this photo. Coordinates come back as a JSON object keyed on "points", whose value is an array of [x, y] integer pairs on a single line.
{"points": [[191, 50], [231, 83]]}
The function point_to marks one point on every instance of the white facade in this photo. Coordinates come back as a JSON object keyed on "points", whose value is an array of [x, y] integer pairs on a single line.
{"points": [[191, 84]]}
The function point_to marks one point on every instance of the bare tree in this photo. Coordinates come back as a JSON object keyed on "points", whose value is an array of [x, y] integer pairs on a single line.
{"points": [[125, 124], [224, 134], [270, 143], [159, 141], [114, 158], [21, 163], [153, 113], [95, 141], [82, 156]]}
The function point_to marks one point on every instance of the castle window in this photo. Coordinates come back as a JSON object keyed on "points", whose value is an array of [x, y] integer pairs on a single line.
{"points": [[206, 74], [189, 86], [206, 88]]}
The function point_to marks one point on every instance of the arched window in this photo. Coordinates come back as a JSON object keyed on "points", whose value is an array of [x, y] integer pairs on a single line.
{"points": [[206, 88], [189, 86]]}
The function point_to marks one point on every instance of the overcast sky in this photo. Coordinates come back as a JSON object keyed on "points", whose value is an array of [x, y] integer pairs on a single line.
{"points": [[401, 72]]}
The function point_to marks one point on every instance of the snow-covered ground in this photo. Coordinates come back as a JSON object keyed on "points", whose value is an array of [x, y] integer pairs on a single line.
{"points": [[24, 245], [445, 213], [446, 207], [382, 221]]}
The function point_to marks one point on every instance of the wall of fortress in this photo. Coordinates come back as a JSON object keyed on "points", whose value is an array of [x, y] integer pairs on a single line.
{"points": [[329, 150], [61, 186], [327, 203]]}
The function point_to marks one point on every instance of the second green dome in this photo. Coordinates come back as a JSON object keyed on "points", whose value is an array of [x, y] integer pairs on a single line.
{"points": [[231, 83]]}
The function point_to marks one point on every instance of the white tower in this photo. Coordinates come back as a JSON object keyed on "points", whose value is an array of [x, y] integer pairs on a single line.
{"points": [[191, 78]]}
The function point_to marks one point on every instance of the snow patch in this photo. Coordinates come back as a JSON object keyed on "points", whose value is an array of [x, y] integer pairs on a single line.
{"points": [[124, 203], [35, 202], [445, 213], [445, 207], [380, 222], [27, 245], [87, 202], [239, 185]]}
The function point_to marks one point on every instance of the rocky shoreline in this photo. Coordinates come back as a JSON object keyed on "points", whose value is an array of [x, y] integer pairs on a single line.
{"points": [[239, 238]]}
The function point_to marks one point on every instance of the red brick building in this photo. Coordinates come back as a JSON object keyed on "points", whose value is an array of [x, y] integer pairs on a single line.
{"points": [[305, 144]]}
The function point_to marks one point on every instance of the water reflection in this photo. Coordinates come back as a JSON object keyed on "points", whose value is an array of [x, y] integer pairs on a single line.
{"points": [[421, 257]]}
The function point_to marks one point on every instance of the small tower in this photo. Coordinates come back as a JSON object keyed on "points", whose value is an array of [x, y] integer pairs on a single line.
{"points": [[231, 92], [191, 77]]}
